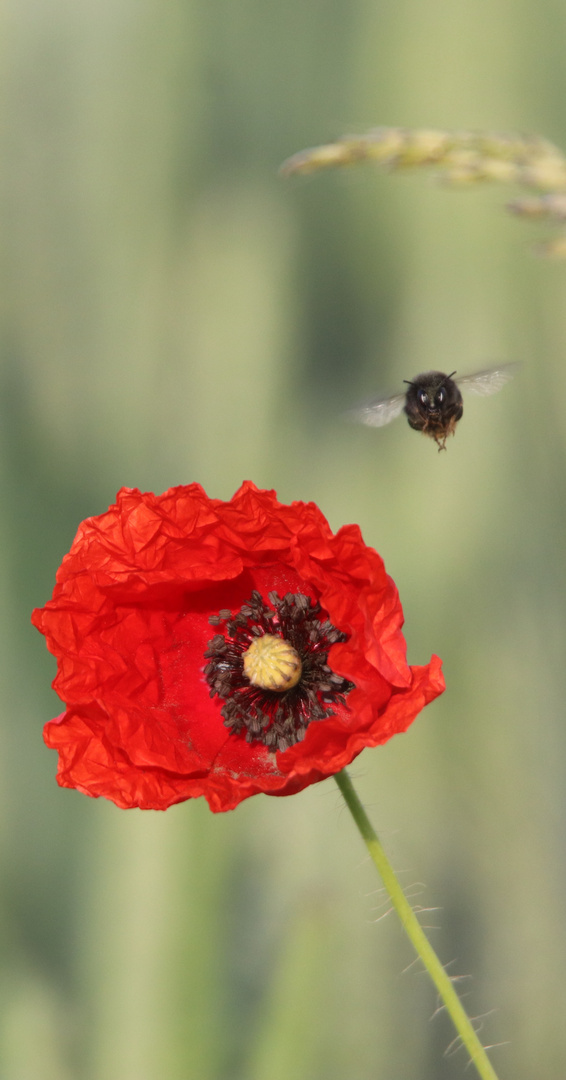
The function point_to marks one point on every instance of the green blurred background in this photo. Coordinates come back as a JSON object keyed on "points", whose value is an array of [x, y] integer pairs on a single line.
{"points": [[172, 310]]}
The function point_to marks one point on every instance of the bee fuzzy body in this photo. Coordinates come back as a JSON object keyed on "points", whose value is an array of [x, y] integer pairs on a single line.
{"points": [[434, 405]]}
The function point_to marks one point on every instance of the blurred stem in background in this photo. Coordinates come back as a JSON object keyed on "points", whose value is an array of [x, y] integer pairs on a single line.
{"points": [[415, 931], [459, 158]]}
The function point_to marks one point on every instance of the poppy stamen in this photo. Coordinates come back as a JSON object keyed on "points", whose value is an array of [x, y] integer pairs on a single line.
{"points": [[271, 668]]}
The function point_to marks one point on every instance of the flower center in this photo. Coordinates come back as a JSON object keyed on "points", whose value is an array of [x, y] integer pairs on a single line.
{"points": [[273, 664], [270, 668]]}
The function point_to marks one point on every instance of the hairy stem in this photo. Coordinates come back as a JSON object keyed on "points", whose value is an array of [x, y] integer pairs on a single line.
{"points": [[415, 931]]}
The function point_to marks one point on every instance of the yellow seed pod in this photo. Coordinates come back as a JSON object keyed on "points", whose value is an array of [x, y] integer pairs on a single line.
{"points": [[381, 144], [540, 206], [423, 147], [319, 157], [272, 664], [546, 174], [506, 172]]}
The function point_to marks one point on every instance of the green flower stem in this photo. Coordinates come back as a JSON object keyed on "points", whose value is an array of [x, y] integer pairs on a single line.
{"points": [[415, 931]]}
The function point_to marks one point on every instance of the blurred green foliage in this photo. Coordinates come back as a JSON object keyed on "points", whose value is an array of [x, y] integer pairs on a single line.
{"points": [[172, 310]]}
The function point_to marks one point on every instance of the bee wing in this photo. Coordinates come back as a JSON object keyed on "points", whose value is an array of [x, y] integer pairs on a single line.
{"points": [[489, 381], [378, 411]]}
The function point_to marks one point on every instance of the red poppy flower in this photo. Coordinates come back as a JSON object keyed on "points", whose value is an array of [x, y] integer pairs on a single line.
{"points": [[222, 649]]}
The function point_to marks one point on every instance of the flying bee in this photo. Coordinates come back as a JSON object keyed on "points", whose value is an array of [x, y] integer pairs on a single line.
{"points": [[433, 402]]}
